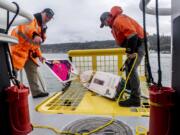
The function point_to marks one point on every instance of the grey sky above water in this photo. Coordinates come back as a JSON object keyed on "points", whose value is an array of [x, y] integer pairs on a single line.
{"points": [[78, 20]]}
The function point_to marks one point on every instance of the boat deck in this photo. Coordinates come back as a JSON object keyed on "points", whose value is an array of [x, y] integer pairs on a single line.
{"points": [[90, 106], [79, 100]]}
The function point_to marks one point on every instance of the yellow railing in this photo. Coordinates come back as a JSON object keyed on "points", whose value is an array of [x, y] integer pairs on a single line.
{"points": [[108, 60]]}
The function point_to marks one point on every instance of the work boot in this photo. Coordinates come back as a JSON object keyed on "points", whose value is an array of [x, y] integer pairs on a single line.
{"points": [[42, 94], [131, 102]]}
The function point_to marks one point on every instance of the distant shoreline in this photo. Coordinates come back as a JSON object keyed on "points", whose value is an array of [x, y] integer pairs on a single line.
{"points": [[154, 52], [165, 47]]}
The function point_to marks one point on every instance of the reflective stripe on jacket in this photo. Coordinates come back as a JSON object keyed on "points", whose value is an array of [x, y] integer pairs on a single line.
{"points": [[22, 51]]}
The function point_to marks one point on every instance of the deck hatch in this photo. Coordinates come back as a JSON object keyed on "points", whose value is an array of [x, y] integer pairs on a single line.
{"points": [[68, 100]]}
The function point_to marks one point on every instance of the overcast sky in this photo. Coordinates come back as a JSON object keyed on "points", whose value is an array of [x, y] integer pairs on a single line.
{"points": [[78, 20]]}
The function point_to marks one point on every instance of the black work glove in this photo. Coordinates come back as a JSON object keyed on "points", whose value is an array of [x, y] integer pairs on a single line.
{"points": [[33, 54], [132, 43]]}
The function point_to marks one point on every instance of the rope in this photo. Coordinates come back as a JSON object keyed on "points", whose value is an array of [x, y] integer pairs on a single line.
{"points": [[16, 14], [101, 127], [121, 93], [55, 130], [147, 63], [58, 132]]}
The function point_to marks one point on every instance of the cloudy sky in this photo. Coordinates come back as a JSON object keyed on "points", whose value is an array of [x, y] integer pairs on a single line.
{"points": [[78, 20]]}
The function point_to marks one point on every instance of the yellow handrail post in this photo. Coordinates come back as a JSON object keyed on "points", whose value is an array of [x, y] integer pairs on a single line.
{"points": [[94, 63], [120, 63]]}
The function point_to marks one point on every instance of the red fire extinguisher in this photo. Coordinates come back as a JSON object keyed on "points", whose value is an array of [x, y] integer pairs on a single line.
{"points": [[17, 98], [161, 103]]}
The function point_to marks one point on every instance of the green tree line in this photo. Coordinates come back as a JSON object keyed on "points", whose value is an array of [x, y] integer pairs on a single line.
{"points": [[165, 42]]}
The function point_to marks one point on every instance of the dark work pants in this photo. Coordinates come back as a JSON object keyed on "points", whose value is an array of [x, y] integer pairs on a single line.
{"points": [[32, 74], [134, 82]]}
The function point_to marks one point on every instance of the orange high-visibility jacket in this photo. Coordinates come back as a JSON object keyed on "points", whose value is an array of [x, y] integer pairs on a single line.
{"points": [[124, 27], [22, 51]]}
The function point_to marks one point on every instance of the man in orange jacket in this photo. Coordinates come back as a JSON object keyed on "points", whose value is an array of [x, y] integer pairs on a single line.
{"points": [[128, 34], [25, 53]]}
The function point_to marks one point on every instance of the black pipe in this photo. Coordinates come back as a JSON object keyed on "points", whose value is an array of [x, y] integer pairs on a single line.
{"points": [[158, 46], [176, 74], [4, 83]]}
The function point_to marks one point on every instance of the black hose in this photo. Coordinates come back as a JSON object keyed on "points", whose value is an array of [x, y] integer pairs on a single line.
{"points": [[158, 46], [10, 66], [147, 63], [16, 14]]}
